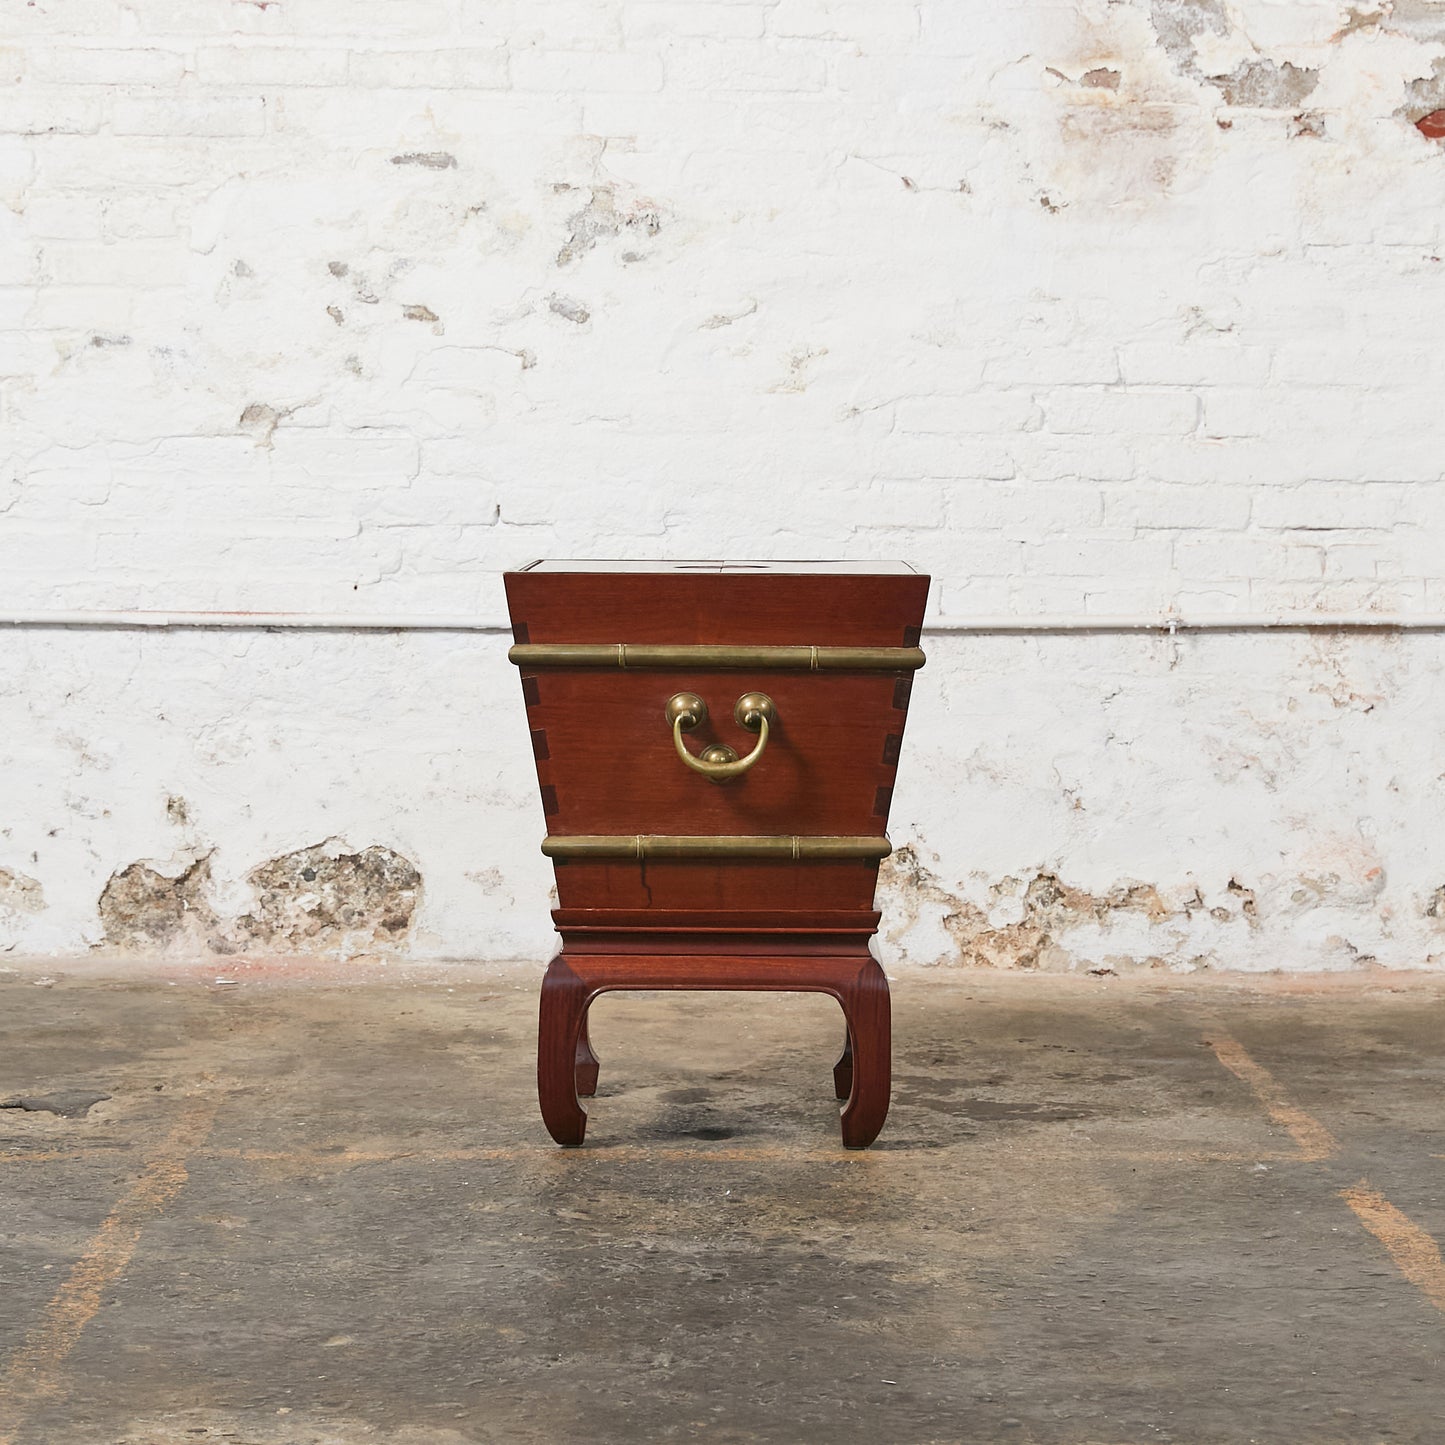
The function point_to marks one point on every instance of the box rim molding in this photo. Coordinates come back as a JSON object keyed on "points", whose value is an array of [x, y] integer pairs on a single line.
{"points": [[789, 658], [785, 846]]}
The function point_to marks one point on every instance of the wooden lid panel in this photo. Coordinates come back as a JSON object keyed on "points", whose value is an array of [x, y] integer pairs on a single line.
{"points": [[773, 568], [818, 609]]}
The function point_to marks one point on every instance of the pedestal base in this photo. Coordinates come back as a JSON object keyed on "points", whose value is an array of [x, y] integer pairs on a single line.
{"points": [[567, 1067]]}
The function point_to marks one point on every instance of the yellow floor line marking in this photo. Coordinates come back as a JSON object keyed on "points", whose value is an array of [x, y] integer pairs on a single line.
{"points": [[1415, 1253], [33, 1373], [1313, 1140]]}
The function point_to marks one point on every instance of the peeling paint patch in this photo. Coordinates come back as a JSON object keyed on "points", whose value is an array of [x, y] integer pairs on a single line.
{"points": [[601, 218], [20, 893], [430, 160], [1424, 104], [797, 377], [1264, 85], [319, 899], [1021, 928], [260, 421], [1261, 83], [569, 309], [720, 319], [1341, 948], [323, 898], [1422, 20], [141, 908], [1357, 20], [1177, 22], [1100, 78], [419, 313], [1247, 904]]}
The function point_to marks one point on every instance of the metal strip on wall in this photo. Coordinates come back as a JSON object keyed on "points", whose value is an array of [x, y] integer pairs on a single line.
{"points": [[981, 626]]}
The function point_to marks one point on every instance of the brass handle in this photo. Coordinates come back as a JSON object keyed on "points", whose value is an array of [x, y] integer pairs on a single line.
{"points": [[753, 711]]}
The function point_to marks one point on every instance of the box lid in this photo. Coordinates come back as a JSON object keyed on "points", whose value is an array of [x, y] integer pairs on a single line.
{"points": [[798, 568], [817, 604]]}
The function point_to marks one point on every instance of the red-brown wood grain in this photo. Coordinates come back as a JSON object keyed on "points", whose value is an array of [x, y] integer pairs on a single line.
{"points": [[708, 607], [612, 765], [577, 921], [566, 1066], [713, 885]]}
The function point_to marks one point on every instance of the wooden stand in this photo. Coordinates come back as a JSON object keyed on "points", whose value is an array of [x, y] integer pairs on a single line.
{"points": [[598, 959]]}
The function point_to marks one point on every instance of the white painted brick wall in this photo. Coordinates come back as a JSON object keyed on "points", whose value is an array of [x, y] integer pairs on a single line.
{"points": [[347, 307]]}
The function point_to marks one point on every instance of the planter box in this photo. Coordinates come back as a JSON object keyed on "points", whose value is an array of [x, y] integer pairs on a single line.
{"points": [[716, 745]]}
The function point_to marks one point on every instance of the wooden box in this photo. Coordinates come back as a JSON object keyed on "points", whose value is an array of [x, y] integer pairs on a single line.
{"points": [[716, 745]]}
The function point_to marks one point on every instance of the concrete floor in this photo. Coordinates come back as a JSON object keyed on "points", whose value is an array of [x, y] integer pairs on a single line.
{"points": [[1105, 1211]]}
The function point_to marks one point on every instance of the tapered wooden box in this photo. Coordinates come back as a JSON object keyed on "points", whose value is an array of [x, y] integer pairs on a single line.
{"points": [[716, 746]]}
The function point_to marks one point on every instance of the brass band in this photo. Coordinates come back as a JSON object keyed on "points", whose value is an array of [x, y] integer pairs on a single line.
{"points": [[629, 655], [713, 845]]}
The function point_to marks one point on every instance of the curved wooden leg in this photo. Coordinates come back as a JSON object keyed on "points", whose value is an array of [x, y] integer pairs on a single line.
{"points": [[567, 1067], [843, 1069], [562, 1019], [587, 1064], [867, 1009]]}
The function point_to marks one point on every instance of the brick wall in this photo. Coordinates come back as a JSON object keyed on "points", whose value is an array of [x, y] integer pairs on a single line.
{"points": [[1087, 308]]}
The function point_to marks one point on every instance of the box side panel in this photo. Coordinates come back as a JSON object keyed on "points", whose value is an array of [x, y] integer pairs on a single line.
{"points": [[731, 887], [607, 762]]}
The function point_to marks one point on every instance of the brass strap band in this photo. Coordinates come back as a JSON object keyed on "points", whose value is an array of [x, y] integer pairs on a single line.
{"points": [[714, 845], [629, 655]]}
